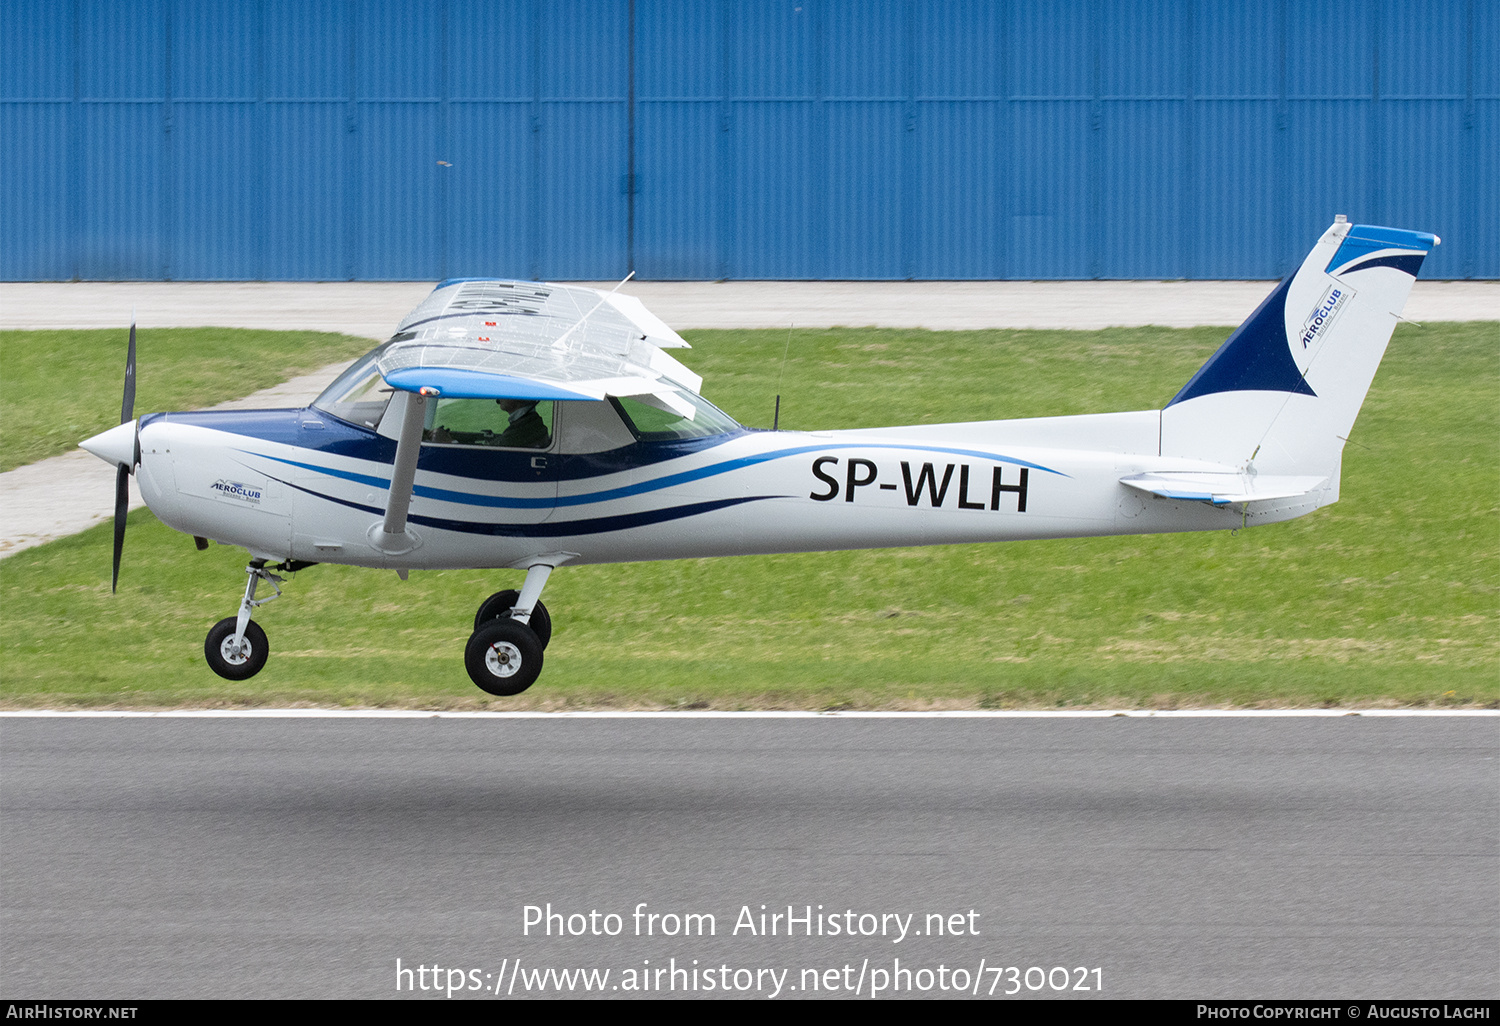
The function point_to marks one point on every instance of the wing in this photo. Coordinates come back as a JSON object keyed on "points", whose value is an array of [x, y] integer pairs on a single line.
{"points": [[490, 339]]}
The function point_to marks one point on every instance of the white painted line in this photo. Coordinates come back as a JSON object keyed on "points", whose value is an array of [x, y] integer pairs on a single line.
{"points": [[710, 714]]}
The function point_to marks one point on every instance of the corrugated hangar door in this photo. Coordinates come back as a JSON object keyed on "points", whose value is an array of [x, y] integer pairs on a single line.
{"points": [[879, 139]]}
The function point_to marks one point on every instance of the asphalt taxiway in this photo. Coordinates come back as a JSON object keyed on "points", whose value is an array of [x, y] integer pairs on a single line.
{"points": [[1333, 857]]}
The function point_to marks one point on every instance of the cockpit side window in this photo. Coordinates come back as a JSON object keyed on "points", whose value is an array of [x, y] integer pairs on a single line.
{"points": [[496, 423], [359, 395]]}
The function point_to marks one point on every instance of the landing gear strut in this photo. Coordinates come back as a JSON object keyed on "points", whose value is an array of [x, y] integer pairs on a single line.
{"points": [[236, 647], [504, 654], [502, 602]]}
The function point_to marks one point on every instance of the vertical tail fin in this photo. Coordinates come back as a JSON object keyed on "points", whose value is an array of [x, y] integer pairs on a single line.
{"points": [[1284, 389]]}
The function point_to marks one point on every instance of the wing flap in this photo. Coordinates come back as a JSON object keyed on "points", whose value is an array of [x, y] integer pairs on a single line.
{"points": [[1222, 488], [480, 338], [653, 327]]}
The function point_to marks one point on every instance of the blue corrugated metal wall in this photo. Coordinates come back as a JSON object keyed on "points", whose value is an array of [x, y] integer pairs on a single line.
{"points": [[577, 139]]}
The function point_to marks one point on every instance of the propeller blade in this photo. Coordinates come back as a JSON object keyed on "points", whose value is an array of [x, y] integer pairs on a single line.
{"points": [[122, 500], [122, 475], [127, 405]]}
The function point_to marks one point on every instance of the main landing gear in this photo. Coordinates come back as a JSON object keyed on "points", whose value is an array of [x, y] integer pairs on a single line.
{"points": [[504, 654]]}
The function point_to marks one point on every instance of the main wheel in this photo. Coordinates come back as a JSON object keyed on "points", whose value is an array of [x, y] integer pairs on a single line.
{"points": [[503, 657], [501, 603], [241, 665]]}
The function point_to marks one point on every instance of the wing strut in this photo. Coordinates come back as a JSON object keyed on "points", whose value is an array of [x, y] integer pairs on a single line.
{"points": [[391, 536]]}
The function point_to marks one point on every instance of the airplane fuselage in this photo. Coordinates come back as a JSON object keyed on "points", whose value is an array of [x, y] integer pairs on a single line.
{"points": [[302, 485]]}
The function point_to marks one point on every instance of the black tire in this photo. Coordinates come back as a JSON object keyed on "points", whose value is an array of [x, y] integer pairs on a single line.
{"points": [[501, 602], [248, 663], [503, 657]]}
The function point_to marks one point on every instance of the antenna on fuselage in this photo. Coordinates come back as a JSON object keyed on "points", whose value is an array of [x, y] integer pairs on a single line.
{"points": [[558, 342], [776, 417]]}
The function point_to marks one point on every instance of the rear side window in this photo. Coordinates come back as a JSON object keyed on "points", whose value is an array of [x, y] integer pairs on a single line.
{"points": [[675, 414]]}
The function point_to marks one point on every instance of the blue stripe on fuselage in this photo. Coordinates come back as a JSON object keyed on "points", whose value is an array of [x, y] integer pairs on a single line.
{"points": [[283, 426], [340, 438], [638, 488], [556, 529]]}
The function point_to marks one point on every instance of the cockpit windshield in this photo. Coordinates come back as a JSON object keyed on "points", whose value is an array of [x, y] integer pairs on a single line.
{"points": [[359, 395], [673, 413]]}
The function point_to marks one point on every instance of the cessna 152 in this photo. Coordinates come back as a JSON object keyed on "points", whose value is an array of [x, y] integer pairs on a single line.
{"points": [[522, 425]]}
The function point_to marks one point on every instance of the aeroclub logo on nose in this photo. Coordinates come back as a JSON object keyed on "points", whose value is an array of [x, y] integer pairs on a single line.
{"points": [[236, 490]]}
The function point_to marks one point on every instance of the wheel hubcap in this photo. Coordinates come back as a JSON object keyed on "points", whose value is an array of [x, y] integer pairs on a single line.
{"points": [[503, 659], [233, 657]]}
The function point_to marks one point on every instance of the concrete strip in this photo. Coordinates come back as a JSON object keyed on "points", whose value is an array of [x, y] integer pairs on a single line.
{"points": [[973, 305], [373, 309], [292, 394], [73, 492], [56, 498]]}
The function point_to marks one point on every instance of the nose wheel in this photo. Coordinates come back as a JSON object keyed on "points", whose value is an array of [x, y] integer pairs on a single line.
{"points": [[236, 660]]}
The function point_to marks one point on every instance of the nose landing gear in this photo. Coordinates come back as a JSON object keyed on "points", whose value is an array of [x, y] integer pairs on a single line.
{"points": [[236, 648]]}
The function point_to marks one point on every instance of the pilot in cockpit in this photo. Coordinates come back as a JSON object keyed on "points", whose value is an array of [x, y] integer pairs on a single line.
{"points": [[526, 430], [515, 424]]}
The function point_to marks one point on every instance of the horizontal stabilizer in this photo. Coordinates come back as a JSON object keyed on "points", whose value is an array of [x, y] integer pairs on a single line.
{"points": [[1221, 488]]}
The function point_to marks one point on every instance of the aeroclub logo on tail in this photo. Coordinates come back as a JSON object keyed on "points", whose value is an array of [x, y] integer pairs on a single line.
{"points": [[1335, 298]]}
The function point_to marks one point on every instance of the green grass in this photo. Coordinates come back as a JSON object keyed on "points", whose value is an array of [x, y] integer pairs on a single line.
{"points": [[60, 387], [1391, 596]]}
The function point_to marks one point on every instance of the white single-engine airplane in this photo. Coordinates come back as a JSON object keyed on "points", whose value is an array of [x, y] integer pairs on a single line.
{"points": [[512, 424]]}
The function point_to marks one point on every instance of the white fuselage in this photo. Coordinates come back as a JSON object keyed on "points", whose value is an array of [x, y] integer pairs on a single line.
{"points": [[301, 485]]}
